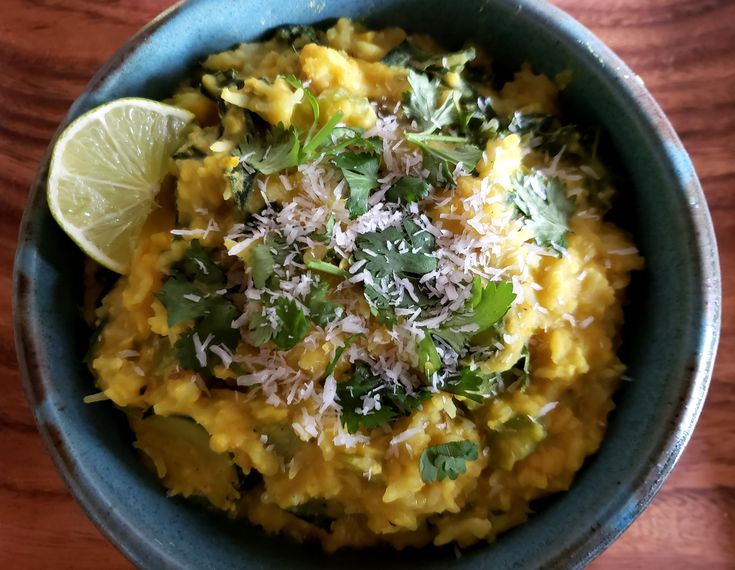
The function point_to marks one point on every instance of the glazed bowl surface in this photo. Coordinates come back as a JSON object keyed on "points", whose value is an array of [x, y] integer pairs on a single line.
{"points": [[669, 339]]}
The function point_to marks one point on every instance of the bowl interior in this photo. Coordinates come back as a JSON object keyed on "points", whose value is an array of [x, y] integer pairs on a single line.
{"points": [[669, 337]]}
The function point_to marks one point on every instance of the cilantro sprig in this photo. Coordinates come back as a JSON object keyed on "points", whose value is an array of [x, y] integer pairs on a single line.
{"points": [[363, 384], [395, 258], [447, 460], [547, 214], [279, 148], [193, 292], [360, 170], [488, 304]]}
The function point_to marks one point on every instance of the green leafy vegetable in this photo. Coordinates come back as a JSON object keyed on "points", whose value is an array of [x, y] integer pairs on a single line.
{"points": [[182, 299], [279, 148], [262, 265], [547, 215], [283, 322], [407, 190], [349, 137], [486, 307], [421, 103], [361, 173], [429, 360], [198, 265], [404, 251], [363, 384], [472, 384], [442, 154], [447, 460], [275, 150], [322, 311], [406, 54], [214, 326]]}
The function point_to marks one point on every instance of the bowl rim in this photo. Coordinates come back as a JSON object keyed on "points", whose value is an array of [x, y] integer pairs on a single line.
{"points": [[123, 535]]}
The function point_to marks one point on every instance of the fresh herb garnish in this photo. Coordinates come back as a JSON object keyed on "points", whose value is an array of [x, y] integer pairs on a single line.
{"points": [[322, 311], [279, 148], [395, 258], [472, 384], [404, 251], [262, 265], [421, 103], [487, 305], [364, 385], [283, 322], [192, 292], [447, 460], [360, 170], [408, 190], [198, 265], [429, 360], [544, 204], [442, 154], [182, 299]]}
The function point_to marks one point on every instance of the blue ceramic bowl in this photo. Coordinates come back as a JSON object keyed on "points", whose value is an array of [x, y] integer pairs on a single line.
{"points": [[670, 335]]}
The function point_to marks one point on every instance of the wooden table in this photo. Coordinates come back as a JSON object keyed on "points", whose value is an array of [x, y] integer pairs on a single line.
{"points": [[685, 52]]}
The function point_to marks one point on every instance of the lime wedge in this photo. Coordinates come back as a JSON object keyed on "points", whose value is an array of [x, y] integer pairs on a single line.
{"points": [[106, 169]]}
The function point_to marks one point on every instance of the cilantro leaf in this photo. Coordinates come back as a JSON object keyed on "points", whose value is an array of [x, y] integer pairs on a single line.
{"points": [[277, 246], [407, 54], [283, 322], [275, 150], [447, 460], [449, 150], [293, 327], [407, 190], [399, 251], [349, 137], [380, 306], [218, 323], [262, 265], [472, 384], [322, 311], [279, 148], [551, 136], [429, 360], [363, 384], [547, 215], [198, 265], [487, 306], [182, 299], [216, 326], [360, 170], [420, 103], [185, 351]]}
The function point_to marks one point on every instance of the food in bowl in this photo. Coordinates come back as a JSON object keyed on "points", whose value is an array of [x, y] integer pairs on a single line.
{"points": [[376, 301]]}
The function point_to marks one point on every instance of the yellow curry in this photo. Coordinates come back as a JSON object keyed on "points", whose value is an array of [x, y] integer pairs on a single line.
{"points": [[377, 302]]}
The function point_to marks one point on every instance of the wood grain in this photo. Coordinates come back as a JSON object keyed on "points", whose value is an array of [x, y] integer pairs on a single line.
{"points": [[685, 52]]}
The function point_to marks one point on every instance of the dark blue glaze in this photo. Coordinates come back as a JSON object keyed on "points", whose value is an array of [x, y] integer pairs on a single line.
{"points": [[670, 335]]}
